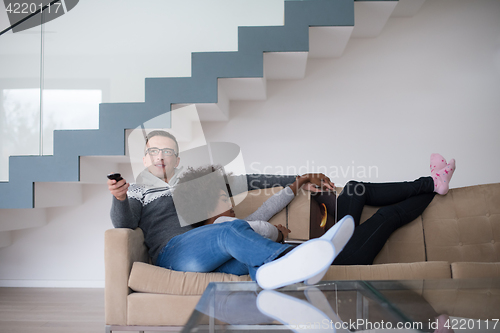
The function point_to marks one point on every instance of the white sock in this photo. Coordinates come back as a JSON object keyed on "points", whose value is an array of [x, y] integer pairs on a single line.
{"points": [[338, 235], [303, 262]]}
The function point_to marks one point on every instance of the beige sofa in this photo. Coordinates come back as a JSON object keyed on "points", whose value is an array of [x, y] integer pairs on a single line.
{"points": [[458, 236]]}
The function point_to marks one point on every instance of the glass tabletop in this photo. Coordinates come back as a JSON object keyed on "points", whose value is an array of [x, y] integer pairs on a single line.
{"points": [[348, 306]]}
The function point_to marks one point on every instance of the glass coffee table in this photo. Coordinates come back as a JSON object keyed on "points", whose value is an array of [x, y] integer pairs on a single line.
{"points": [[348, 306]]}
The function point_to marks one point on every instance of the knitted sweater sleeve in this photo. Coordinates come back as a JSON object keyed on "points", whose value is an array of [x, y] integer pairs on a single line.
{"points": [[126, 213]]}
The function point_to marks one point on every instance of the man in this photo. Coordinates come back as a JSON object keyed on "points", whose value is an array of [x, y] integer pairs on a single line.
{"points": [[148, 204]]}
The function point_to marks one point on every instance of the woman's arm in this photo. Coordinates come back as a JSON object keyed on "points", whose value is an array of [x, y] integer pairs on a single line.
{"points": [[263, 228], [273, 205]]}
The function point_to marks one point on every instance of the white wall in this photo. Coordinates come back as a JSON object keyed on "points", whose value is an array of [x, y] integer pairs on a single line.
{"points": [[427, 84], [67, 252]]}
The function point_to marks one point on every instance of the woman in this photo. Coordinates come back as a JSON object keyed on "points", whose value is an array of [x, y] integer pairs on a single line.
{"points": [[232, 247]]}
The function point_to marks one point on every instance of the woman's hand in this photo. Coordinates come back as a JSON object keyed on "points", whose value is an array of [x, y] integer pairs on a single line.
{"points": [[118, 189], [284, 233], [314, 188], [318, 182], [314, 182]]}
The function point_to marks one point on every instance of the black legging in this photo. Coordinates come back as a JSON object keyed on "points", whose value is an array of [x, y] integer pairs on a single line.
{"points": [[403, 202]]}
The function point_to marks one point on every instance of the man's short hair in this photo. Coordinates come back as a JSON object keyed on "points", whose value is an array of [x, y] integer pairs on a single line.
{"points": [[198, 191], [161, 133]]}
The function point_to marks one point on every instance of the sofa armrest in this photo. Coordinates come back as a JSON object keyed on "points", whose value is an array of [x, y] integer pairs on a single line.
{"points": [[122, 247]]}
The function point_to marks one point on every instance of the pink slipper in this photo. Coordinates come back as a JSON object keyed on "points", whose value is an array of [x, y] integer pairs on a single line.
{"points": [[437, 163], [442, 178]]}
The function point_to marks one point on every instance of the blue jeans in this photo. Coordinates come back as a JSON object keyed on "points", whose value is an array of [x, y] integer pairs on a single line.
{"points": [[230, 247]]}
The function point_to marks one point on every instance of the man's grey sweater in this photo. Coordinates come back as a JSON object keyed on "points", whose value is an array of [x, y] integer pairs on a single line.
{"points": [[150, 206]]}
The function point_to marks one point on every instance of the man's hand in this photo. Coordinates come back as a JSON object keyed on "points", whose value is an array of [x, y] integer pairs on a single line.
{"points": [[118, 189], [284, 232]]}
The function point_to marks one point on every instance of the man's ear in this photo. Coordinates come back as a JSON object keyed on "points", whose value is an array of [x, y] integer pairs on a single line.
{"points": [[144, 159], [178, 161]]}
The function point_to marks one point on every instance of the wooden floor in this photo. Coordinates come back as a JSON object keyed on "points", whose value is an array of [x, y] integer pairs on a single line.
{"points": [[24, 310], [54, 310]]}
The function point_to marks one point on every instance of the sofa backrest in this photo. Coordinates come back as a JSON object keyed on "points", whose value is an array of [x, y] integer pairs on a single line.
{"points": [[464, 225]]}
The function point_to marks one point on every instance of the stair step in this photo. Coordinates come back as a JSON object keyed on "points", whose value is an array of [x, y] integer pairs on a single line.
{"points": [[17, 193], [320, 13], [58, 194], [226, 64], [89, 142], [44, 168], [177, 90], [272, 39], [218, 111], [118, 116]]}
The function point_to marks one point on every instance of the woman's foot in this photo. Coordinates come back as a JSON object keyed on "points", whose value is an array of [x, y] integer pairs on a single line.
{"points": [[437, 163], [441, 173]]}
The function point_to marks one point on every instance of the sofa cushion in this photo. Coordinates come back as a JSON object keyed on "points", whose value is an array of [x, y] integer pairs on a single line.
{"points": [[402, 271], [147, 278], [158, 310], [472, 270], [464, 225]]}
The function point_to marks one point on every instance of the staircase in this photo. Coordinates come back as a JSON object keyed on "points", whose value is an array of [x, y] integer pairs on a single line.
{"points": [[312, 29]]}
